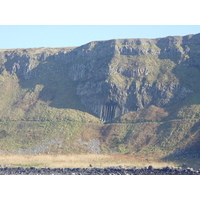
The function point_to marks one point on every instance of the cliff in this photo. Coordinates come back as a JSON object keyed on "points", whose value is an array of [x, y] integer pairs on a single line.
{"points": [[103, 81]]}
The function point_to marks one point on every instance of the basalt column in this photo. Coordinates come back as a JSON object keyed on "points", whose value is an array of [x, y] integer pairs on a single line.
{"points": [[108, 111]]}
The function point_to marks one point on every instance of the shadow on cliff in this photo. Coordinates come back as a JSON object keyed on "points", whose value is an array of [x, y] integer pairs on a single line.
{"points": [[52, 73], [57, 89], [190, 155], [186, 70]]}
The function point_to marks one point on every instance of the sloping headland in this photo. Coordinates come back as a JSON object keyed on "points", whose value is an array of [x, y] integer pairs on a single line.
{"points": [[138, 97]]}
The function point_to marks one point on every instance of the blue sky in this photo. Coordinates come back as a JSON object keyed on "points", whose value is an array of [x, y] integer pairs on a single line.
{"points": [[27, 36]]}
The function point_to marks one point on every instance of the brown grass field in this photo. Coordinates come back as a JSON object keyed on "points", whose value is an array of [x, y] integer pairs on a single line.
{"points": [[79, 161]]}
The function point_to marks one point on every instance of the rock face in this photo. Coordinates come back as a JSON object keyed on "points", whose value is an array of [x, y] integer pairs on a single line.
{"points": [[116, 76], [97, 171]]}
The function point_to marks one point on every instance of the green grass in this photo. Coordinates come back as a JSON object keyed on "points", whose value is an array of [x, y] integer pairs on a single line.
{"points": [[27, 134]]}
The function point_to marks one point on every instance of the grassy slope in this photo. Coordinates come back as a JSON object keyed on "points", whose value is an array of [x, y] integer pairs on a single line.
{"points": [[41, 109], [36, 111]]}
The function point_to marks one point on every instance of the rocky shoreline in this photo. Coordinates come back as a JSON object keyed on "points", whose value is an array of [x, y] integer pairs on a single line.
{"points": [[98, 171]]}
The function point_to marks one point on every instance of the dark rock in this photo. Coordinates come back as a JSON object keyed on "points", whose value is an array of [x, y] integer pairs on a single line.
{"points": [[97, 171], [150, 167]]}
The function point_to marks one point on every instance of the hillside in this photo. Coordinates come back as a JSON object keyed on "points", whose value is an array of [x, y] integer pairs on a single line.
{"points": [[125, 96]]}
